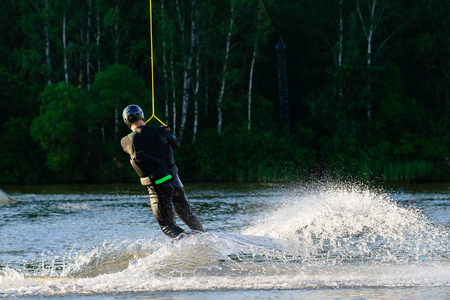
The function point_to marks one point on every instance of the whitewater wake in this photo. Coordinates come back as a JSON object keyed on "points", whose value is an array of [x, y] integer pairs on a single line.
{"points": [[324, 236]]}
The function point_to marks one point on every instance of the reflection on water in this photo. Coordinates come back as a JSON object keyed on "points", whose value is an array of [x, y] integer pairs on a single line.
{"points": [[91, 239]]}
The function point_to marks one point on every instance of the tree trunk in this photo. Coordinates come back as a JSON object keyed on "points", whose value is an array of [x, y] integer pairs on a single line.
{"points": [[376, 16], [341, 50], [180, 19], [80, 63], [116, 33], [174, 93], [447, 110], [195, 117], [66, 72], [369, 60], [206, 91], [97, 39], [224, 70], [374, 19], [163, 33], [47, 40], [88, 52], [197, 84], [187, 70], [116, 122], [250, 80], [181, 24]]}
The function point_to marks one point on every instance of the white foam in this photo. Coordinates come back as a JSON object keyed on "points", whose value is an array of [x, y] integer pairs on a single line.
{"points": [[342, 223], [321, 237]]}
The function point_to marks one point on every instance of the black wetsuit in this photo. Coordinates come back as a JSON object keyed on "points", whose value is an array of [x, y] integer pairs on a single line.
{"points": [[150, 150]]}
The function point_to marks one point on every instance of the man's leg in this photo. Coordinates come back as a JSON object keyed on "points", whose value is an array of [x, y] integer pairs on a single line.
{"points": [[183, 210], [162, 207]]}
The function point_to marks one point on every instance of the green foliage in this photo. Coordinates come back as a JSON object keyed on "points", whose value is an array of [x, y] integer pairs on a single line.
{"points": [[56, 128], [237, 155], [21, 159], [74, 125], [386, 118], [113, 89]]}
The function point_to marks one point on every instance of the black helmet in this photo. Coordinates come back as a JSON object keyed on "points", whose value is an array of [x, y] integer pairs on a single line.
{"points": [[131, 114]]}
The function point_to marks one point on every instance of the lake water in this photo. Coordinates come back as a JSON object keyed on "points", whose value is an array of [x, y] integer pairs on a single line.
{"points": [[264, 241]]}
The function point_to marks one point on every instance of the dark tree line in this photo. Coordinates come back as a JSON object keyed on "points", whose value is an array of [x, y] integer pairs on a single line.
{"points": [[368, 87]]}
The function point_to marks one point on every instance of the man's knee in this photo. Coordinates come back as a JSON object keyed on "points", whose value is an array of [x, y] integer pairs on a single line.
{"points": [[178, 192]]}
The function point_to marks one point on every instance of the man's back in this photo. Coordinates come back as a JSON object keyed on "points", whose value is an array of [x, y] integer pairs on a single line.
{"points": [[150, 148]]}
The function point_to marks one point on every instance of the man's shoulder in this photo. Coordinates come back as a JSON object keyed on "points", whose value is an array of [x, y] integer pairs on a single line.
{"points": [[125, 140], [146, 129], [163, 130]]}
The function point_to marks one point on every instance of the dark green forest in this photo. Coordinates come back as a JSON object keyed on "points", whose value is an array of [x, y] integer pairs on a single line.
{"points": [[368, 87]]}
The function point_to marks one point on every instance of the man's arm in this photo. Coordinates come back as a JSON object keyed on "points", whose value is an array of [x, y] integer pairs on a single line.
{"points": [[171, 139], [125, 143]]}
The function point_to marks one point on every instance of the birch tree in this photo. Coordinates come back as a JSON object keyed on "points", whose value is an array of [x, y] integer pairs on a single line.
{"points": [[187, 63], [112, 23], [174, 90], [88, 52], [64, 42], [46, 13], [167, 20], [36, 20], [224, 69], [377, 12], [197, 80], [252, 66], [164, 61], [116, 32], [98, 35], [341, 49]]}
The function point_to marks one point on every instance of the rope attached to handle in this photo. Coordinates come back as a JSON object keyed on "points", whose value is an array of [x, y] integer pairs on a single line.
{"points": [[153, 82]]}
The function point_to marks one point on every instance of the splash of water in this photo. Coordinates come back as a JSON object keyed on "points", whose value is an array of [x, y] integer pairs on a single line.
{"points": [[338, 223], [322, 236]]}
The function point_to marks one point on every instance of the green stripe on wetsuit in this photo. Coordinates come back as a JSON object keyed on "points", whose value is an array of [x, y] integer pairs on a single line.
{"points": [[164, 179]]}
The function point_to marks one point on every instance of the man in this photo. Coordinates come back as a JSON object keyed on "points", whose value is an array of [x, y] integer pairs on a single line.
{"points": [[150, 150]]}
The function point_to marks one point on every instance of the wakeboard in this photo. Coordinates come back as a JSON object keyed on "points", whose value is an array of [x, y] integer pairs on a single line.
{"points": [[186, 234]]}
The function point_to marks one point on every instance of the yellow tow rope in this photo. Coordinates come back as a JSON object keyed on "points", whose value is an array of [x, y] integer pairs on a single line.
{"points": [[153, 82]]}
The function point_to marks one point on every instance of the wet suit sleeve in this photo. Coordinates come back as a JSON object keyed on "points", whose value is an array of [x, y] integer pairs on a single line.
{"points": [[169, 138], [126, 145]]}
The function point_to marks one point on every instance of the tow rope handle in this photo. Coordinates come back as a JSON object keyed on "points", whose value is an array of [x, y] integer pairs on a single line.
{"points": [[153, 82]]}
